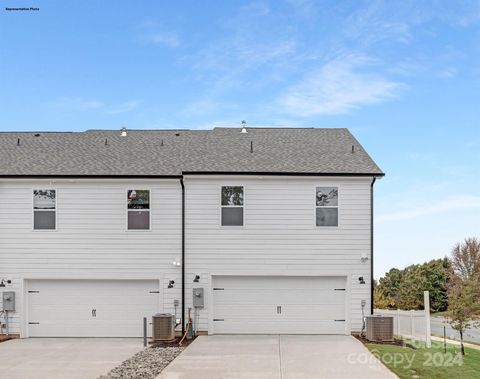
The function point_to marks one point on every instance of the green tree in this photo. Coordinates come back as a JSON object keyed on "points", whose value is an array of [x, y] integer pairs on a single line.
{"points": [[464, 304], [464, 289], [380, 300], [434, 277], [405, 287], [390, 283], [466, 258]]}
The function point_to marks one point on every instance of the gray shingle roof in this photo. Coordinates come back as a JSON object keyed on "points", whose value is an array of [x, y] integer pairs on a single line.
{"points": [[171, 152]]}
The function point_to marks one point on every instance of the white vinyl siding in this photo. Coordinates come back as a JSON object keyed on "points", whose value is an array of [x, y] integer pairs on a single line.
{"points": [[91, 241], [280, 236]]}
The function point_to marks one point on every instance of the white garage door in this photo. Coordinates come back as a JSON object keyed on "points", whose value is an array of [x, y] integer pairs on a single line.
{"points": [[279, 305], [90, 308]]}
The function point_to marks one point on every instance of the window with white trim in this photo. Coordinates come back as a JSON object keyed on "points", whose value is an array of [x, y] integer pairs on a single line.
{"points": [[326, 206], [232, 205], [44, 209], [138, 209]]}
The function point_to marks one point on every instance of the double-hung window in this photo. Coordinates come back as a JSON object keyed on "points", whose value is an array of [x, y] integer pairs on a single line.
{"points": [[44, 209], [232, 205], [326, 206], [138, 209]]}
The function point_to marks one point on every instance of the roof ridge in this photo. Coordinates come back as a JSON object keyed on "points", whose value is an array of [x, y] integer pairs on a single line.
{"points": [[35, 131]]}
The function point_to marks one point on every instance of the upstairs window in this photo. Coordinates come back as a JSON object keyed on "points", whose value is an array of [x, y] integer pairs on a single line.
{"points": [[44, 209], [138, 209], [326, 204], [232, 206]]}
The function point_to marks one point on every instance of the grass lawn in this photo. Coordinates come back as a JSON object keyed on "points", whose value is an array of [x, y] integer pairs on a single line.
{"points": [[429, 363]]}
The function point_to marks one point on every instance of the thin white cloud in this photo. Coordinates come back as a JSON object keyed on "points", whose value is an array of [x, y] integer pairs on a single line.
{"points": [[75, 104], [78, 104], [91, 104], [448, 73], [123, 107], [167, 39], [340, 86], [152, 32], [202, 106], [449, 204]]}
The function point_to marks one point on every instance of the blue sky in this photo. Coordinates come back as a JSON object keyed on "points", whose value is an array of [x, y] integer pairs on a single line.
{"points": [[403, 76]]}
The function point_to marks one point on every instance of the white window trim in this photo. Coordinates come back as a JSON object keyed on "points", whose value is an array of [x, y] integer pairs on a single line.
{"points": [[45, 210], [132, 210], [315, 205], [232, 206]]}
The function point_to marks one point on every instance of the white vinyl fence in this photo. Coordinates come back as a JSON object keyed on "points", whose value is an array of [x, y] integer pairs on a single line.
{"points": [[411, 324]]}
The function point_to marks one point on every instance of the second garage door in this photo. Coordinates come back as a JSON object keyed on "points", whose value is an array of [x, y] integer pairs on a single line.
{"points": [[279, 305], [90, 308]]}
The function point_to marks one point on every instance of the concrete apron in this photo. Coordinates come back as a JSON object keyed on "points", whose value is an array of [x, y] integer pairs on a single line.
{"points": [[61, 358], [276, 357]]}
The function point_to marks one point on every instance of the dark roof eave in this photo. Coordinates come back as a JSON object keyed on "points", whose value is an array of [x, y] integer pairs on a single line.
{"points": [[27, 176], [242, 173], [271, 173]]}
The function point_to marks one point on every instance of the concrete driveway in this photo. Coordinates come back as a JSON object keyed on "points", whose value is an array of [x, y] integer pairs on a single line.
{"points": [[276, 357], [72, 358]]}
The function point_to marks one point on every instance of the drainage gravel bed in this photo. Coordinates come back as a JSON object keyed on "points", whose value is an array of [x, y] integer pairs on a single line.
{"points": [[146, 364]]}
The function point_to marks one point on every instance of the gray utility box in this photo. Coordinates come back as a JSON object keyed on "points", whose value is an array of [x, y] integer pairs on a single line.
{"points": [[8, 301], [198, 298]]}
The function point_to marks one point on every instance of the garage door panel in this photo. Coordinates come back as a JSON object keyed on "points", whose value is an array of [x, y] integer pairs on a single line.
{"points": [[47, 313], [262, 327], [256, 282], [290, 305], [260, 296], [60, 329], [315, 312], [90, 308]]}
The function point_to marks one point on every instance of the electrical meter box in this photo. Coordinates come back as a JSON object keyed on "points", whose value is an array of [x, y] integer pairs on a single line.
{"points": [[198, 298], [8, 300]]}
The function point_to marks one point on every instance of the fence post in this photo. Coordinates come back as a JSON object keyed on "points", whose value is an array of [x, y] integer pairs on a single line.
{"points": [[412, 324], [398, 322], [426, 306]]}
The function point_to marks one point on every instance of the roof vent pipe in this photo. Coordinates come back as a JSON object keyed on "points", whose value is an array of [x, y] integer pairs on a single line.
{"points": [[244, 127], [353, 149], [124, 132], [18, 141]]}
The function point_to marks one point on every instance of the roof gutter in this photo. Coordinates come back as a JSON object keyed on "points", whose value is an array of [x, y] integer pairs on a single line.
{"points": [[268, 173], [243, 173], [91, 176]]}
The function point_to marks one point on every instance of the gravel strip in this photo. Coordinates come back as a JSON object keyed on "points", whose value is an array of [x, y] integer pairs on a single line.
{"points": [[146, 364]]}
